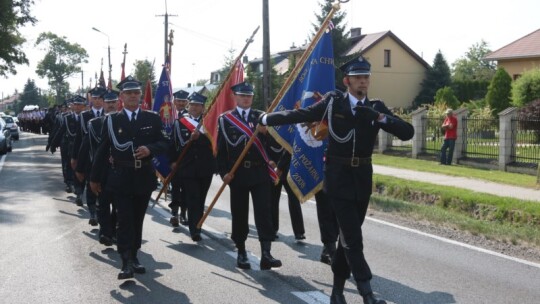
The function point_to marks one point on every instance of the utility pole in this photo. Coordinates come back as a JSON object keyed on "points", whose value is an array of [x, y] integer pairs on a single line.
{"points": [[166, 15], [267, 89]]}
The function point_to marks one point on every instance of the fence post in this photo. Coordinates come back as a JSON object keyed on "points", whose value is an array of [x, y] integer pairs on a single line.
{"points": [[505, 136], [461, 142], [384, 141], [419, 138]]}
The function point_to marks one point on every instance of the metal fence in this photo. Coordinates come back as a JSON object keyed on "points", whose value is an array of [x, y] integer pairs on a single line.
{"points": [[399, 147], [482, 139], [434, 134], [525, 142]]}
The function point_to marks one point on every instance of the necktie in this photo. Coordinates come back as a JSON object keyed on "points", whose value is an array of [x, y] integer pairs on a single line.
{"points": [[97, 113], [358, 104], [133, 116], [244, 115]]}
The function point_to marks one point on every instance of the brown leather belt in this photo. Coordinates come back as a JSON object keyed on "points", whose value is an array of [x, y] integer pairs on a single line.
{"points": [[137, 164], [351, 161]]}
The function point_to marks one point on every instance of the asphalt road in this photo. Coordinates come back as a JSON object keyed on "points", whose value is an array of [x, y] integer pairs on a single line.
{"points": [[49, 254]]}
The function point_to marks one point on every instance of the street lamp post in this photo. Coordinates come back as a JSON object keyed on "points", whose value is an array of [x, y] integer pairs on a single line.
{"points": [[108, 50]]}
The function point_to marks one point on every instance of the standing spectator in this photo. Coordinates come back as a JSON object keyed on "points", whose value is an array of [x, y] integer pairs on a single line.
{"points": [[450, 134]]}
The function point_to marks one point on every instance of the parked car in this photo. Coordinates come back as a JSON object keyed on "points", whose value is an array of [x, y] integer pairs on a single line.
{"points": [[5, 137], [12, 126]]}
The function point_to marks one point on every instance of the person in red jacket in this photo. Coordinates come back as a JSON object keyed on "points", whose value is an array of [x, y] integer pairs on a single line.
{"points": [[450, 135]]}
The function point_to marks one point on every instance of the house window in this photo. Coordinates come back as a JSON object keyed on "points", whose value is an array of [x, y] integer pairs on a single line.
{"points": [[387, 58], [516, 76]]}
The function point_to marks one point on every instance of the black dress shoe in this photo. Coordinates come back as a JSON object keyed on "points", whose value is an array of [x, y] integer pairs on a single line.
{"points": [[105, 240], [337, 299], [183, 220], [78, 200], [328, 252], [242, 260], [93, 222], [299, 237], [370, 299], [137, 267], [196, 237], [68, 189], [127, 270], [174, 221]]}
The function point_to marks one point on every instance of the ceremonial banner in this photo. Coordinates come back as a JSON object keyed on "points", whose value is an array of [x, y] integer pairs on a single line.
{"points": [[162, 101], [223, 103], [315, 79], [164, 107], [147, 101]]}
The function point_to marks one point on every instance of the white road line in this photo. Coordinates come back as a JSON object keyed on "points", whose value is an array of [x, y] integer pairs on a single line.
{"points": [[449, 241], [312, 297], [456, 243], [2, 162]]}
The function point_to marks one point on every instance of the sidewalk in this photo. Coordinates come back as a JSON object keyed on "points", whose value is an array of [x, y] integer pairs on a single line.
{"points": [[461, 182]]}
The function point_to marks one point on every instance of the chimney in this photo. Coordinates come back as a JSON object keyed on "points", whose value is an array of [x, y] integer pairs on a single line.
{"points": [[356, 32], [189, 85], [245, 59]]}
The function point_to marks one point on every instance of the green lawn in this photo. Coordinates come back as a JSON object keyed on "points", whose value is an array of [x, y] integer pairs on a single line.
{"points": [[497, 176]]}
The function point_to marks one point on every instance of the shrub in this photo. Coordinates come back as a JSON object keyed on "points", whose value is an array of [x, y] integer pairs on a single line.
{"points": [[526, 88]]}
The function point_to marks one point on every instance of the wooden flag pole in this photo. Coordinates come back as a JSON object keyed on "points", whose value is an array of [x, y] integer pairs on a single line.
{"points": [[188, 144], [284, 88]]}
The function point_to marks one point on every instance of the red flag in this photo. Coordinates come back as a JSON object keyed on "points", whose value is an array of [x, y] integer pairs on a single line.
{"points": [[147, 102], [224, 102]]}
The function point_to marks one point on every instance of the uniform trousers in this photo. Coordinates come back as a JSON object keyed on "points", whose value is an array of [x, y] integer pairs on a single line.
{"points": [[295, 209], [260, 194], [195, 199], [67, 172], [106, 211], [91, 198], [349, 256], [328, 225], [131, 209], [178, 195]]}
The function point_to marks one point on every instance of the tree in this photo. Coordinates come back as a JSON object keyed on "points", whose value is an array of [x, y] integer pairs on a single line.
{"points": [[144, 70], [437, 77], [473, 67], [499, 90], [31, 95], [13, 14], [446, 95], [62, 60], [526, 88]]}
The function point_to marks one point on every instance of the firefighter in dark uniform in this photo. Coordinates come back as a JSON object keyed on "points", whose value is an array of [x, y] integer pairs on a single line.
{"points": [[178, 194], [353, 123], [106, 215], [198, 164], [130, 138], [252, 176], [283, 160], [96, 95], [65, 137], [58, 122]]}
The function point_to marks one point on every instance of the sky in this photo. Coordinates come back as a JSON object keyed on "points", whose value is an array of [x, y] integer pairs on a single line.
{"points": [[205, 31]]}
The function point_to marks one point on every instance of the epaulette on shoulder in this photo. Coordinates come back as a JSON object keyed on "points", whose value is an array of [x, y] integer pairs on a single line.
{"points": [[376, 100]]}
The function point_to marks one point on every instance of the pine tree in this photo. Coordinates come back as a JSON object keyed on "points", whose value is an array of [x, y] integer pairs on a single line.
{"points": [[437, 77], [499, 90]]}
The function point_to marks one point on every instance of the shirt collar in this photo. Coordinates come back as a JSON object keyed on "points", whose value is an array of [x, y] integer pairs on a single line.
{"points": [[240, 110], [128, 112]]}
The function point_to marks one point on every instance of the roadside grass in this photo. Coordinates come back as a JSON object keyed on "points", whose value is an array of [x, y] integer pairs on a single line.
{"points": [[496, 176], [504, 219]]}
